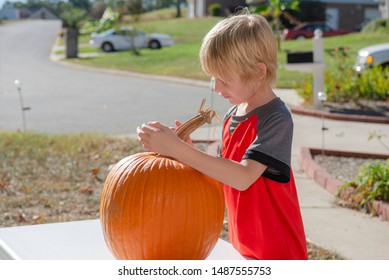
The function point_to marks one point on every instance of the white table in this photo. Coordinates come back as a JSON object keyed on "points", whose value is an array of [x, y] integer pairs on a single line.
{"points": [[80, 240]]}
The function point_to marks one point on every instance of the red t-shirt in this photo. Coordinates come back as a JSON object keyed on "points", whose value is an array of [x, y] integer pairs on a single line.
{"points": [[264, 221]]}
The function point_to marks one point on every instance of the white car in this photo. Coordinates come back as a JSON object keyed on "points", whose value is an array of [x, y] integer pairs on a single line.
{"points": [[126, 37], [372, 56]]}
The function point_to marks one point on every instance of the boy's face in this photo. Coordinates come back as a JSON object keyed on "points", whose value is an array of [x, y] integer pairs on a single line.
{"points": [[235, 90]]}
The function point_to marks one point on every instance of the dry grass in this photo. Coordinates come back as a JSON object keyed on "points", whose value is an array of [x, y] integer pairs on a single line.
{"points": [[56, 178]]}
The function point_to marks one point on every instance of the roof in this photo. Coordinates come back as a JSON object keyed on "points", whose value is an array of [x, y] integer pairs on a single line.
{"points": [[43, 11]]}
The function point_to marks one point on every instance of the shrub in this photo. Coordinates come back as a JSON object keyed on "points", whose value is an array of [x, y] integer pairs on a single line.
{"points": [[215, 10], [342, 84], [380, 25], [306, 90], [340, 80], [373, 84], [372, 183]]}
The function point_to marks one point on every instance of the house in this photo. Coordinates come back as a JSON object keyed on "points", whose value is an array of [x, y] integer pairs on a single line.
{"points": [[346, 15], [27, 13], [339, 14], [37, 13], [9, 13], [199, 8]]}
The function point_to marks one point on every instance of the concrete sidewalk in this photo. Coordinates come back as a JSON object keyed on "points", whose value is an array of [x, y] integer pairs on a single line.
{"points": [[352, 234]]}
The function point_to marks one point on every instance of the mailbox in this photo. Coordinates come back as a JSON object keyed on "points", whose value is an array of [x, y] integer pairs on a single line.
{"points": [[299, 57]]}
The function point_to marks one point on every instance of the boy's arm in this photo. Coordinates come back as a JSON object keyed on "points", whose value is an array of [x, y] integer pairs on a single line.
{"points": [[161, 139]]}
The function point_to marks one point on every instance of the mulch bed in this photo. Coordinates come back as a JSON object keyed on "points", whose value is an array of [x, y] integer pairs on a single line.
{"points": [[362, 107]]}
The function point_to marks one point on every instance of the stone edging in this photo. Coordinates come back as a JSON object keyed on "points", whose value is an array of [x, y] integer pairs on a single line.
{"points": [[337, 116], [331, 184]]}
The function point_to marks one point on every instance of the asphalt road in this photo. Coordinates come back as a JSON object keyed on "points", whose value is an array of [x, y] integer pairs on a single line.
{"points": [[66, 99]]}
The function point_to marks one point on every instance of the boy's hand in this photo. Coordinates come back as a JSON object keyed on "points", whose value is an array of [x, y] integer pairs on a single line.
{"points": [[158, 138]]}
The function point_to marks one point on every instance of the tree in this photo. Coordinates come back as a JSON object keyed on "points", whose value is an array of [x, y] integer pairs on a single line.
{"points": [[97, 9], [72, 18], [134, 7], [274, 10], [132, 33], [82, 4]]}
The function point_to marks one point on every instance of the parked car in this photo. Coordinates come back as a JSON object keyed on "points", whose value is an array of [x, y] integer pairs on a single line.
{"points": [[376, 55], [306, 30], [123, 38]]}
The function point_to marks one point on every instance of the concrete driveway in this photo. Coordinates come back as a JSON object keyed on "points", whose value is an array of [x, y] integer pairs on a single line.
{"points": [[66, 99]]}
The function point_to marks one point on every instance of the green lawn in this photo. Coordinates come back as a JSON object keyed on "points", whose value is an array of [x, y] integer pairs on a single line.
{"points": [[181, 60]]}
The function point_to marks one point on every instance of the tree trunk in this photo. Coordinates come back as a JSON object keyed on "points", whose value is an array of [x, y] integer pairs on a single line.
{"points": [[178, 6], [71, 39], [133, 47]]}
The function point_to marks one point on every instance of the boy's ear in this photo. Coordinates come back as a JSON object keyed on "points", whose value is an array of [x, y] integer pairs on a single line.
{"points": [[262, 70]]}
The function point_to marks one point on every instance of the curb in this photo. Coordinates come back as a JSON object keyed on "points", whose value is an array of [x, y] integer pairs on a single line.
{"points": [[60, 60], [331, 184], [340, 117]]}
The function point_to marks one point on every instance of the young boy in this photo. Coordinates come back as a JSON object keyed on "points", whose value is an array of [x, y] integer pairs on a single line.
{"points": [[264, 219]]}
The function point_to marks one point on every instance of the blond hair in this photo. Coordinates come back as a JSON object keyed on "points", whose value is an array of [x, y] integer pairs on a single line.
{"points": [[236, 45]]}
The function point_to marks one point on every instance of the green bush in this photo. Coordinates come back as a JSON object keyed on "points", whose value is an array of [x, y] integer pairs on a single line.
{"points": [[379, 25], [340, 79], [372, 183], [373, 84], [342, 84], [215, 10], [306, 90]]}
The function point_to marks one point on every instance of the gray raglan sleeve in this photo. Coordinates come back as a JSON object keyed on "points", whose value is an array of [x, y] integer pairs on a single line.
{"points": [[273, 144]]}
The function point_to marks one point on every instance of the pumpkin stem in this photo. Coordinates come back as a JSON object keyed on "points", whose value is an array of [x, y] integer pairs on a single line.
{"points": [[203, 116]]}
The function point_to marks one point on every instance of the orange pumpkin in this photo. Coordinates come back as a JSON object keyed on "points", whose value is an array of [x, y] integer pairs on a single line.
{"points": [[154, 207]]}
